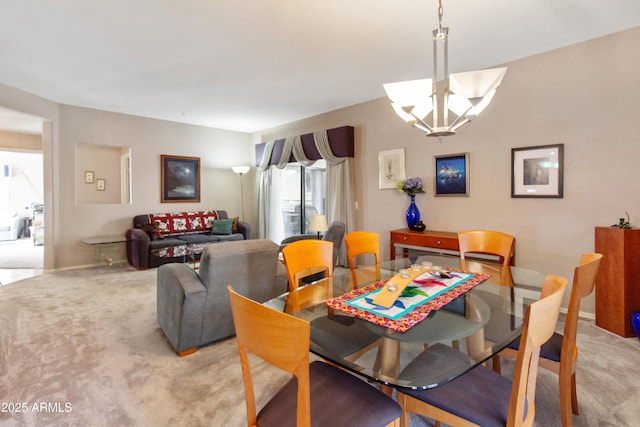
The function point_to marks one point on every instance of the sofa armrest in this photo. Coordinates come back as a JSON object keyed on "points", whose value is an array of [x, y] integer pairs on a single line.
{"points": [[14, 227], [181, 299], [138, 248], [245, 229], [296, 238]]}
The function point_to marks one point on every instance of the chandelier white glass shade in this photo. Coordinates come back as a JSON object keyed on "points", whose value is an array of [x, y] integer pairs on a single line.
{"points": [[440, 108]]}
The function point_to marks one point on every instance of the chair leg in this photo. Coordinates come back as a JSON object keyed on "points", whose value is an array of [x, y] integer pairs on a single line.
{"points": [[574, 395], [405, 417], [565, 399], [496, 364]]}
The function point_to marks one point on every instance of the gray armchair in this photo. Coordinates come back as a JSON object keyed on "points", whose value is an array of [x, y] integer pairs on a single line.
{"points": [[334, 234], [193, 307]]}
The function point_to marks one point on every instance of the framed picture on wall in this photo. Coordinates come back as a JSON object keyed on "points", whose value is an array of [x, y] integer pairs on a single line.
{"points": [[180, 177], [88, 177], [537, 171], [100, 184], [452, 175], [391, 168]]}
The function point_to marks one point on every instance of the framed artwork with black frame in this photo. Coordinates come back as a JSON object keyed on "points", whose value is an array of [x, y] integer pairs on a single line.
{"points": [[537, 171], [180, 177], [452, 175]]}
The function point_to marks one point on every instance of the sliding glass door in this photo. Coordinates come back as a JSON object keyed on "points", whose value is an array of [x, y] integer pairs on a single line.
{"points": [[302, 194]]}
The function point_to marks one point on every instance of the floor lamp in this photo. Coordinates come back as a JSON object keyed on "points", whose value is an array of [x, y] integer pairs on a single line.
{"points": [[241, 170]]}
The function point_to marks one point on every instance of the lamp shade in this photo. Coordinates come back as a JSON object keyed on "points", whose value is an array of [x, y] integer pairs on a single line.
{"points": [[240, 169], [426, 103], [318, 223]]}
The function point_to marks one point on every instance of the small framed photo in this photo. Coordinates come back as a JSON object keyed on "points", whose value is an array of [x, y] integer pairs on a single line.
{"points": [[537, 171], [391, 168], [452, 175], [100, 184], [88, 177]]}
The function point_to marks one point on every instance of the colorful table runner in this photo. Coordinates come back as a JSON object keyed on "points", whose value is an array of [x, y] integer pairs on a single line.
{"points": [[424, 294]]}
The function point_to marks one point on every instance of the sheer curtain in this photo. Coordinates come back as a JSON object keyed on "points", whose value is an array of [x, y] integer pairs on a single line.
{"points": [[340, 188]]}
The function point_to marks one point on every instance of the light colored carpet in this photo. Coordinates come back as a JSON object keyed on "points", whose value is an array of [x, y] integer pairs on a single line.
{"points": [[21, 254], [86, 344]]}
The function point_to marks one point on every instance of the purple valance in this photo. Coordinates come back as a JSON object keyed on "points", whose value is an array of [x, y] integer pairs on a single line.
{"points": [[341, 142]]}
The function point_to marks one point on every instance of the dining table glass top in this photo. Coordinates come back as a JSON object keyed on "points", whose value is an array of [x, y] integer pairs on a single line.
{"points": [[479, 322]]}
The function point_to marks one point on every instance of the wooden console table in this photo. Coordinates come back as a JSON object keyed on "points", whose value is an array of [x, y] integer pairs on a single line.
{"points": [[435, 241], [432, 241], [618, 280]]}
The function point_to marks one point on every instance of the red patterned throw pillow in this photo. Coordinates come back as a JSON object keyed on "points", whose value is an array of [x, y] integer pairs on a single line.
{"points": [[208, 218], [152, 231], [162, 222]]}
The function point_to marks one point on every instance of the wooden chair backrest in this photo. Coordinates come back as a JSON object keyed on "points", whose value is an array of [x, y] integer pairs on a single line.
{"points": [[486, 242], [584, 280], [361, 243], [301, 259], [277, 338], [539, 325]]}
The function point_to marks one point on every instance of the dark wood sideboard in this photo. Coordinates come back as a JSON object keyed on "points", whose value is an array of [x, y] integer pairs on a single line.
{"points": [[618, 280]]}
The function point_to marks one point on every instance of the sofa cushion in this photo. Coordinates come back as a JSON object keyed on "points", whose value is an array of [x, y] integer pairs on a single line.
{"points": [[196, 238], [230, 237], [222, 226], [6, 217]]}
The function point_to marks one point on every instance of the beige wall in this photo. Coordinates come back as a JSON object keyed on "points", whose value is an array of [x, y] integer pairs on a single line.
{"points": [[13, 141], [582, 96], [103, 162], [218, 150]]}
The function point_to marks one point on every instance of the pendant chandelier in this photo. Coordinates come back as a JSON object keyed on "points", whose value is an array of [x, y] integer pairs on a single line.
{"points": [[440, 108]]}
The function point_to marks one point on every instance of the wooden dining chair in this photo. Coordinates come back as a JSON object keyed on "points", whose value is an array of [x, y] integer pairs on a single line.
{"points": [[483, 397], [486, 242], [309, 257], [302, 259], [560, 353], [489, 242], [319, 394], [362, 243]]}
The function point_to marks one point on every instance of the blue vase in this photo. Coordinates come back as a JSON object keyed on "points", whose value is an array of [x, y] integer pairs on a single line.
{"points": [[413, 214], [635, 321]]}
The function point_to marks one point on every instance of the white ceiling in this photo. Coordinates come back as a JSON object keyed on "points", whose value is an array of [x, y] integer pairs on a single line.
{"points": [[248, 65]]}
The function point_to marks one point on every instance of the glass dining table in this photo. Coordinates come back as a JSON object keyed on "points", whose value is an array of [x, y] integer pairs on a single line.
{"points": [[479, 313]]}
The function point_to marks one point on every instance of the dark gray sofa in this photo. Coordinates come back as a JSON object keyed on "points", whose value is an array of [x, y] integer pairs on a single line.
{"points": [[193, 307], [173, 231]]}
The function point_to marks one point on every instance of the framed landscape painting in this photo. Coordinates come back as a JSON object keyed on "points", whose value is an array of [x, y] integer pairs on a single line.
{"points": [[537, 171], [452, 175], [180, 178]]}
